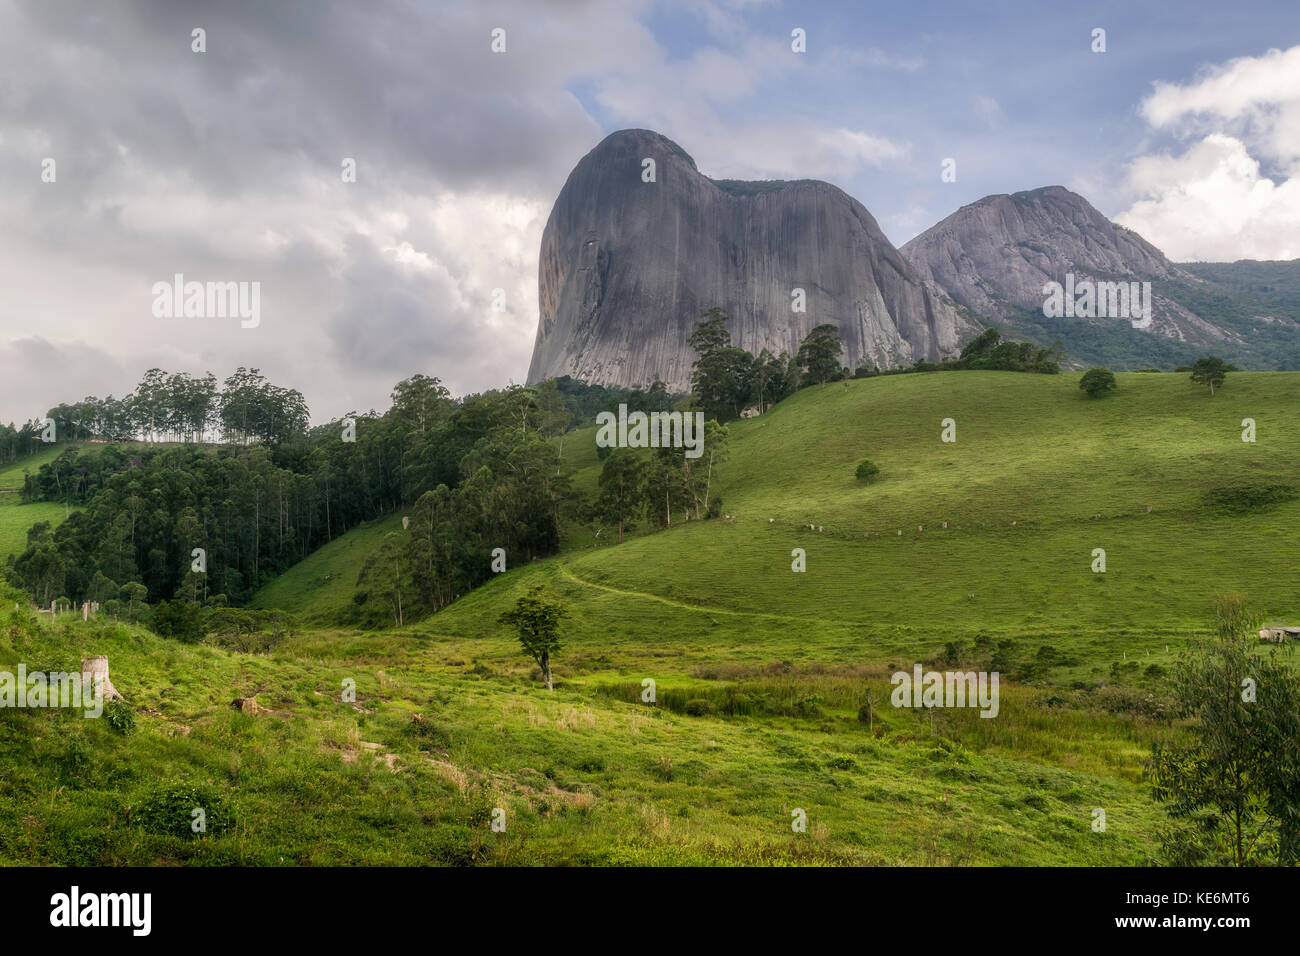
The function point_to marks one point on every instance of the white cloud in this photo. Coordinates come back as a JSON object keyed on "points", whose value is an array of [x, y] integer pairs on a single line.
{"points": [[1258, 96], [1212, 201]]}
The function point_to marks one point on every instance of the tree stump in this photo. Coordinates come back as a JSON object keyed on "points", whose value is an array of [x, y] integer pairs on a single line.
{"points": [[94, 670]]}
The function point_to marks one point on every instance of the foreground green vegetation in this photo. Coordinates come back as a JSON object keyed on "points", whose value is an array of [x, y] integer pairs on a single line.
{"points": [[445, 730]]}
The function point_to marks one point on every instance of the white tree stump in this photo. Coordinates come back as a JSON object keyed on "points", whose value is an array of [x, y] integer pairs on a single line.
{"points": [[94, 669]]}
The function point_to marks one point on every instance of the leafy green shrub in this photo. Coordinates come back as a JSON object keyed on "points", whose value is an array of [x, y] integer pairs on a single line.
{"points": [[868, 471], [428, 733], [809, 705], [120, 716], [75, 760], [169, 810], [1048, 656], [178, 618], [1036, 799], [953, 653], [247, 630], [1097, 381], [1128, 700]]}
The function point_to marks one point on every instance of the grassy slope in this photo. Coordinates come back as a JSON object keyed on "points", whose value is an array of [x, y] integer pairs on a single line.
{"points": [[1030, 450], [16, 518], [320, 586], [584, 777], [712, 612]]}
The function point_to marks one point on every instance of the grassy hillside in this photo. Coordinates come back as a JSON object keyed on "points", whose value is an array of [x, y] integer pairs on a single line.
{"points": [[1038, 478], [1034, 464], [772, 687], [322, 585], [12, 473], [16, 518]]}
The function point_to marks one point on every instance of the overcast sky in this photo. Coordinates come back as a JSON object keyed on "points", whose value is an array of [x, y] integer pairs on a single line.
{"points": [[225, 165]]}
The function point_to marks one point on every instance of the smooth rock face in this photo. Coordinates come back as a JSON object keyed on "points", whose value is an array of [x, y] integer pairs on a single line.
{"points": [[628, 267], [995, 255]]}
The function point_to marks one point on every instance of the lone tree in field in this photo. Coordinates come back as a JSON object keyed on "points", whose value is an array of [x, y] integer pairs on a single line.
{"points": [[1097, 381], [868, 471], [1233, 791], [537, 619], [1210, 371], [820, 353]]}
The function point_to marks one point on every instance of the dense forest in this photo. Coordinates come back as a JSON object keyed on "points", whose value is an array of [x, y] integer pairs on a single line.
{"points": [[253, 510]]}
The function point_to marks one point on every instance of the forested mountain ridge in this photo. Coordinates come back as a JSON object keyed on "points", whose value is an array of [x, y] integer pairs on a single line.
{"points": [[996, 255]]}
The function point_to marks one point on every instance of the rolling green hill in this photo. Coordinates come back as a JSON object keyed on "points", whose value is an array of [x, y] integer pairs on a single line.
{"points": [[1039, 476], [15, 517], [771, 687]]}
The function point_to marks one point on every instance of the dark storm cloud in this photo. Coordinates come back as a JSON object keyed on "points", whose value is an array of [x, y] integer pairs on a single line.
{"points": [[225, 166], [410, 88]]}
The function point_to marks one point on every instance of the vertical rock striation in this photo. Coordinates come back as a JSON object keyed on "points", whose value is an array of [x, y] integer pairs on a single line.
{"points": [[627, 268]]}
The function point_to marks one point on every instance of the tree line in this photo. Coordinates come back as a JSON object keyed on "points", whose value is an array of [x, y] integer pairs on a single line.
{"points": [[476, 474], [19, 441], [179, 407]]}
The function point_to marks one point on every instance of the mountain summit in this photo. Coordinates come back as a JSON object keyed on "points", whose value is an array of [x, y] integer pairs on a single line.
{"points": [[630, 262], [995, 256]]}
